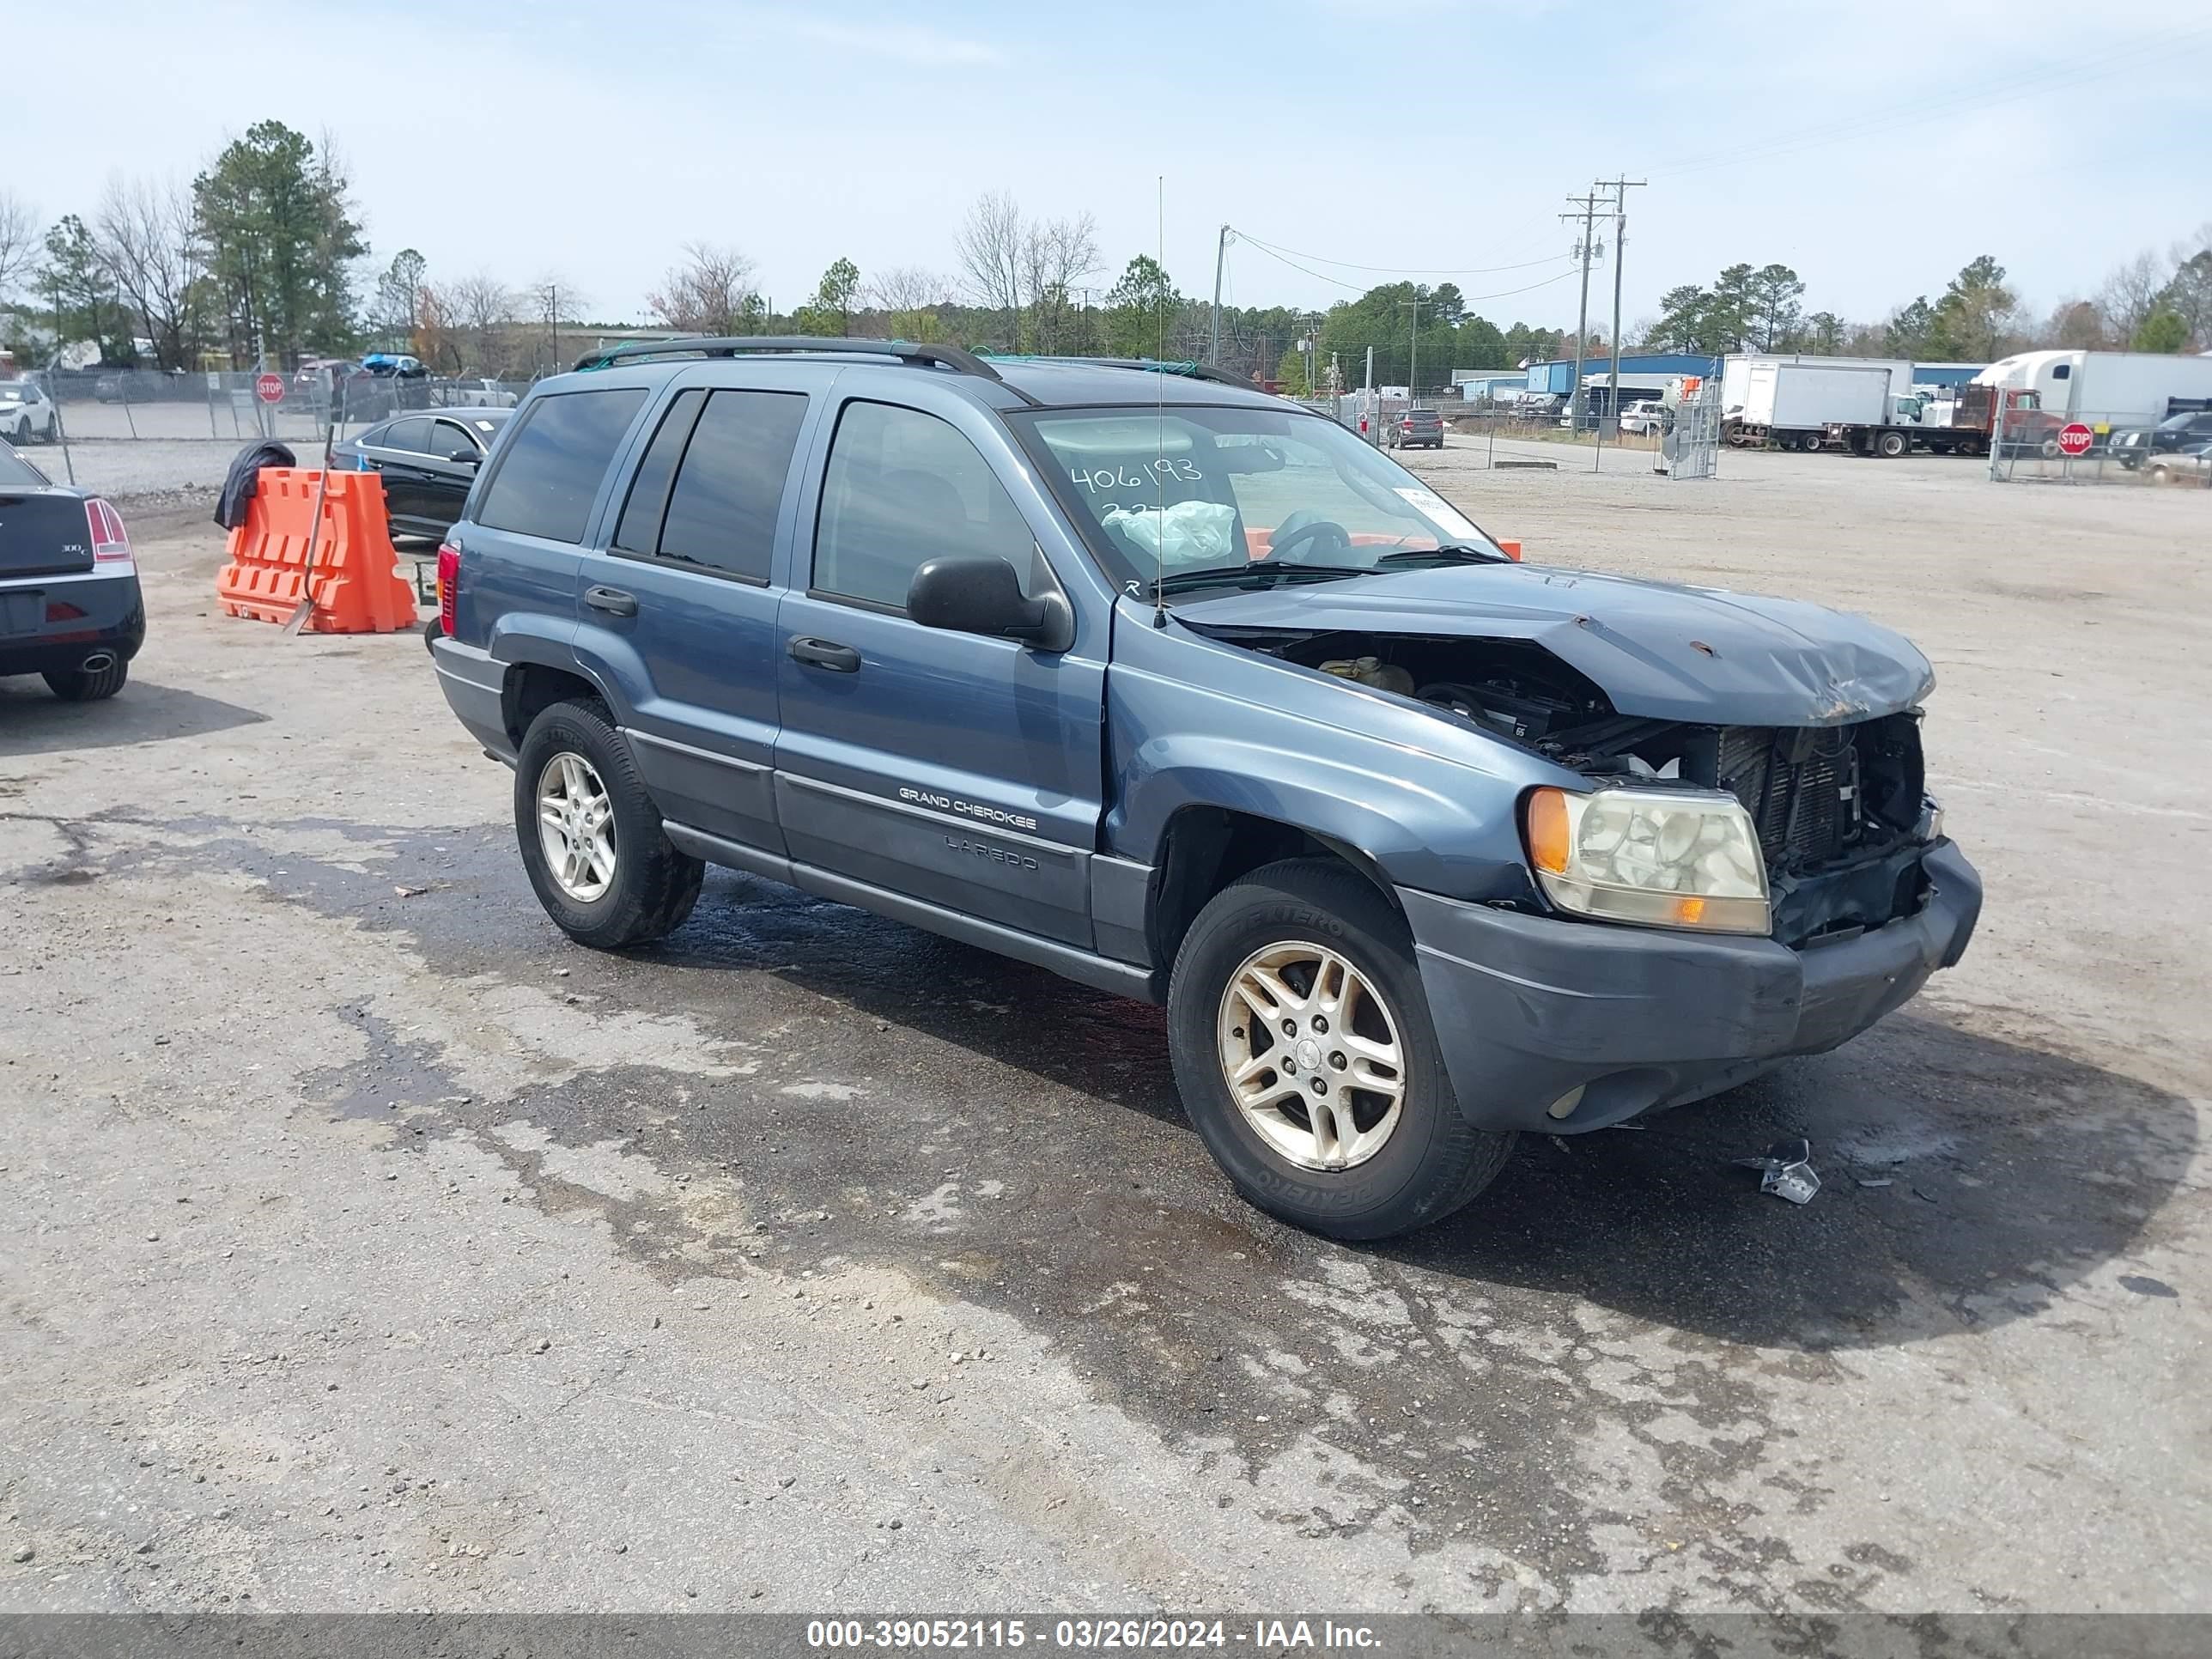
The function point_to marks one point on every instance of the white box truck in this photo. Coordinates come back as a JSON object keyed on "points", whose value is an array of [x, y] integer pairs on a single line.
{"points": [[1736, 372], [1793, 405]]}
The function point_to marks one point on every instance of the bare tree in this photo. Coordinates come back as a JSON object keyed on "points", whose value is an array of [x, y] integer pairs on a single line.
{"points": [[147, 236], [907, 301], [990, 246], [711, 293], [467, 325], [2075, 326], [2130, 294], [2189, 296], [484, 307], [1055, 252], [19, 238]]}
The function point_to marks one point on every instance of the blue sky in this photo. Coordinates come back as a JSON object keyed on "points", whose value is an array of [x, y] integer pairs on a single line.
{"points": [[1874, 147]]}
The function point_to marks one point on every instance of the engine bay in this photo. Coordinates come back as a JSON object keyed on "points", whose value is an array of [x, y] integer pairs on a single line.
{"points": [[1823, 799]]}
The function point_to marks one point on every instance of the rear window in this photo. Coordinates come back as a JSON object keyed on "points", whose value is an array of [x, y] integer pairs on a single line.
{"points": [[549, 467], [14, 469]]}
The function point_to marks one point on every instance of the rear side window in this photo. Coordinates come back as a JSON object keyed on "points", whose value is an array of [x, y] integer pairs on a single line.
{"points": [[549, 468], [721, 513], [904, 488], [412, 435], [639, 529]]}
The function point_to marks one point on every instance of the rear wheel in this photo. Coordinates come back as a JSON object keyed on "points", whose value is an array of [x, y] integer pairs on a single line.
{"points": [[590, 837], [87, 685], [1305, 1055], [1893, 444]]}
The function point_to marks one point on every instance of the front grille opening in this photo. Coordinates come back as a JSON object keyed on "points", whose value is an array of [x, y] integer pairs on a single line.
{"points": [[1818, 795]]}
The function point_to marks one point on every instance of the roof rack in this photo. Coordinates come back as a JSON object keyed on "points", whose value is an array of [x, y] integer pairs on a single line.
{"points": [[1188, 370], [717, 345]]}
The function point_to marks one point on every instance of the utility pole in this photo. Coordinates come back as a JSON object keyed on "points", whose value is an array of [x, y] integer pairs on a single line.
{"points": [[1413, 355], [1619, 187], [1220, 258], [1576, 401]]}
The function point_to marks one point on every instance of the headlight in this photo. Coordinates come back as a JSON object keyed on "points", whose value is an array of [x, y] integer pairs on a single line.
{"points": [[1666, 858]]}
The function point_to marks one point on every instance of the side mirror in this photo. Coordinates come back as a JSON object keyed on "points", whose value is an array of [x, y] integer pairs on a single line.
{"points": [[984, 596], [467, 457]]}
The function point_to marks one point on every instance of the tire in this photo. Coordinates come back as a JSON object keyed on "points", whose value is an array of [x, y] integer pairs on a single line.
{"points": [[77, 686], [1890, 444], [1430, 1162], [650, 887]]}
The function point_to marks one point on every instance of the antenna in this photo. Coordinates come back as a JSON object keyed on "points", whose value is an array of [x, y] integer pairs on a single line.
{"points": [[1160, 458]]}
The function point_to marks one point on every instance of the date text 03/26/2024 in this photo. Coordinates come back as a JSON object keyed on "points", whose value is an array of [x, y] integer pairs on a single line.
{"points": [[1257, 1635]]}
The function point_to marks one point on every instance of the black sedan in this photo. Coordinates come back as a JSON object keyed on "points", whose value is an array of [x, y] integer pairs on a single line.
{"points": [[429, 461], [70, 605]]}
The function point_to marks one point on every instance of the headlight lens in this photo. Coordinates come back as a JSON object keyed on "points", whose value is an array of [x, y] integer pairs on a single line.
{"points": [[1662, 858]]}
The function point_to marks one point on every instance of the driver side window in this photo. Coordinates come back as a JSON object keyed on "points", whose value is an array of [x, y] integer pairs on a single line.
{"points": [[903, 488]]}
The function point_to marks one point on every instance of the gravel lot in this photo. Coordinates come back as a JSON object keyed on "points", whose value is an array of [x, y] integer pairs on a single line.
{"points": [[364, 1245]]}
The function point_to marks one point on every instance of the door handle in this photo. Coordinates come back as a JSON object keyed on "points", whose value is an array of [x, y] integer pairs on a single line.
{"points": [[612, 600], [825, 653]]}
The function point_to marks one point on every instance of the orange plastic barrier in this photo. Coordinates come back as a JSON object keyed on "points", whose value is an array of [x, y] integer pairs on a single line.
{"points": [[357, 586], [1512, 550]]}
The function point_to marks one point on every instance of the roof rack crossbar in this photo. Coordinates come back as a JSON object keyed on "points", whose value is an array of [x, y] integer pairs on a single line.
{"points": [[718, 345]]}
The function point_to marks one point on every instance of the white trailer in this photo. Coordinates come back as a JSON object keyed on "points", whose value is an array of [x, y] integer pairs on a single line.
{"points": [[2104, 389], [1794, 404]]}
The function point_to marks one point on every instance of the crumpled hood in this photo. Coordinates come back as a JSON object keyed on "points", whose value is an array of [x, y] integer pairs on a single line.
{"points": [[1657, 650]]}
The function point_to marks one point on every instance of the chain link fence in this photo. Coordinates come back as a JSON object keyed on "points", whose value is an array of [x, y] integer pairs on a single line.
{"points": [[230, 406], [2105, 447]]}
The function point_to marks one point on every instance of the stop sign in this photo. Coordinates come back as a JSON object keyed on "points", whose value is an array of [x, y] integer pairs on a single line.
{"points": [[2075, 439], [269, 388]]}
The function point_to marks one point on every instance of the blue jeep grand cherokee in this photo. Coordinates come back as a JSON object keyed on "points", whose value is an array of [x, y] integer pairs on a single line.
{"points": [[1188, 695]]}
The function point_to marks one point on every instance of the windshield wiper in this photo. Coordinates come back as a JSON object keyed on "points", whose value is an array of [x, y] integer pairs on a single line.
{"points": [[1450, 553], [1257, 573]]}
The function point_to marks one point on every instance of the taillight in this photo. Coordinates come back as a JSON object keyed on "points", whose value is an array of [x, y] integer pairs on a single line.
{"points": [[110, 543], [449, 579]]}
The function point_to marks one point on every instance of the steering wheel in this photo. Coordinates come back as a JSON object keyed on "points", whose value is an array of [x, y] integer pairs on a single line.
{"points": [[1327, 537]]}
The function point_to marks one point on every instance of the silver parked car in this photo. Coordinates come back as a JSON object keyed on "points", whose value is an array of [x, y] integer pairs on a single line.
{"points": [[2191, 466]]}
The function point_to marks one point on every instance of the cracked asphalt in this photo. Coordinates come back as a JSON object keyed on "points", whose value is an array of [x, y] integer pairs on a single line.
{"points": [[364, 1245]]}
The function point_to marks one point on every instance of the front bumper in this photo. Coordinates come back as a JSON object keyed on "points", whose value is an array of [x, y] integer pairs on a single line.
{"points": [[59, 620], [1529, 1008]]}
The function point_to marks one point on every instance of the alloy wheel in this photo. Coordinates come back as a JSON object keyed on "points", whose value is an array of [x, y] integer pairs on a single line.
{"points": [[576, 828], [1311, 1054]]}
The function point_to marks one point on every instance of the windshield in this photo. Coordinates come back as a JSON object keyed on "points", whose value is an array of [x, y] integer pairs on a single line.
{"points": [[16, 471], [17, 392], [1194, 489]]}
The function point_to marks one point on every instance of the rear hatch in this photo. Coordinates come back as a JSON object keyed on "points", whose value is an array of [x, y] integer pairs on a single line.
{"points": [[43, 531]]}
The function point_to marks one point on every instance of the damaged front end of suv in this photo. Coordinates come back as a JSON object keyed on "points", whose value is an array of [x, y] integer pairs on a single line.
{"points": [[1735, 786]]}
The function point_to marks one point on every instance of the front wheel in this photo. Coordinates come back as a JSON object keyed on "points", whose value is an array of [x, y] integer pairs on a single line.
{"points": [[590, 837], [1305, 1055]]}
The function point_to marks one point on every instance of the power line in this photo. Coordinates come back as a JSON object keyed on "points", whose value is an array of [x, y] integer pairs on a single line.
{"points": [[1355, 287], [1401, 270]]}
